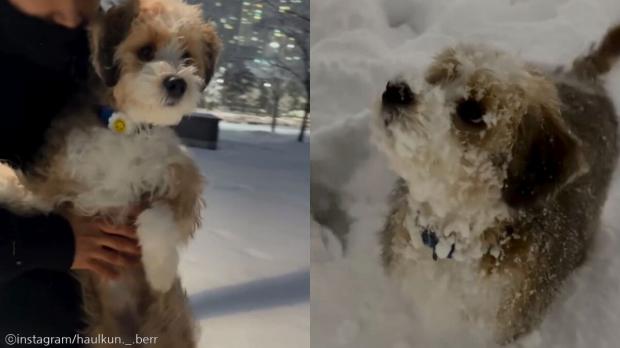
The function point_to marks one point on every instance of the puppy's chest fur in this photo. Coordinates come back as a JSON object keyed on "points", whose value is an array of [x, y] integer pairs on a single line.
{"points": [[439, 289], [487, 291], [94, 167], [90, 170]]}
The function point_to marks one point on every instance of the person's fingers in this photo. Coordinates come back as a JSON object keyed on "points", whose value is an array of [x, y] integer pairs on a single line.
{"points": [[102, 269], [122, 244], [113, 257], [121, 230]]}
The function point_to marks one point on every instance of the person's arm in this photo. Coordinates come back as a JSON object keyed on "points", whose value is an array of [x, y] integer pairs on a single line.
{"points": [[41, 241]]}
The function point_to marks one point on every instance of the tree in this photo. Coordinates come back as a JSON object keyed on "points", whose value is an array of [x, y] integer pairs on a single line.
{"points": [[212, 96], [239, 81], [295, 24], [276, 89], [297, 96]]}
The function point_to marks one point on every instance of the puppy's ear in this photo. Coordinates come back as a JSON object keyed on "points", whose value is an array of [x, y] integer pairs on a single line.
{"points": [[211, 50], [545, 157], [107, 32], [444, 68]]}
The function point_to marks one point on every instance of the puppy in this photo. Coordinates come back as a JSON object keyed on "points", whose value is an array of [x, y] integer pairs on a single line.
{"points": [[111, 150], [504, 170]]}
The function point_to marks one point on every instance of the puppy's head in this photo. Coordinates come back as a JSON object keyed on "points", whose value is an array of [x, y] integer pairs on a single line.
{"points": [[479, 133], [156, 56]]}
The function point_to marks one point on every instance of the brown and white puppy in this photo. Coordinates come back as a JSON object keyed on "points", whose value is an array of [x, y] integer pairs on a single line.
{"points": [[504, 170], [112, 150], [140, 46]]}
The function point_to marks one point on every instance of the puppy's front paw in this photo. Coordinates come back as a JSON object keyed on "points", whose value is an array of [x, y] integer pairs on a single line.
{"points": [[162, 276], [158, 236]]}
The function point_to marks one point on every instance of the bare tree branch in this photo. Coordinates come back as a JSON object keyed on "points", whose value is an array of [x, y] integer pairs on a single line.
{"points": [[294, 24], [296, 14]]}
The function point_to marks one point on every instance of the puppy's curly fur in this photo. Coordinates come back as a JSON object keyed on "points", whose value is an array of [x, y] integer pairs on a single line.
{"points": [[87, 169], [504, 162]]}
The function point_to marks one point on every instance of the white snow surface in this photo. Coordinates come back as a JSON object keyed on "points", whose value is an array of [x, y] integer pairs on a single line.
{"points": [[247, 270], [357, 45]]}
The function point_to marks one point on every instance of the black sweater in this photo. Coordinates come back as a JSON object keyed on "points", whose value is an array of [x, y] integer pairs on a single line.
{"points": [[41, 65]]}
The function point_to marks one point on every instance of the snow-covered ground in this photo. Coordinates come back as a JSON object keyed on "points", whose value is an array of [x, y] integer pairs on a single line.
{"points": [[357, 45], [247, 270]]}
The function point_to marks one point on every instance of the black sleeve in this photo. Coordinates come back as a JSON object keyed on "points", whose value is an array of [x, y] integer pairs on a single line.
{"points": [[26, 243]]}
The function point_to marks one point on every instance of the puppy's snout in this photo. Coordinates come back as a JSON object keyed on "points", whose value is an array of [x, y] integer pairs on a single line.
{"points": [[175, 86], [398, 94]]}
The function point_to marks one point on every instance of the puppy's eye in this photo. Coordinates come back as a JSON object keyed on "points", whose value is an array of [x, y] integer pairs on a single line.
{"points": [[471, 112], [187, 59], [146, 53]]}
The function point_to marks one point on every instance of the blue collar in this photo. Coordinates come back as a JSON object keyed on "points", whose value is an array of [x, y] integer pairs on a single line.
{"points": [[122, 125], [429, 238], [105, 113]]}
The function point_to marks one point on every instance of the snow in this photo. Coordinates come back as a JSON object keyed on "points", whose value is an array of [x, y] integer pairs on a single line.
{"points": [[247, 270], [357, 45]]}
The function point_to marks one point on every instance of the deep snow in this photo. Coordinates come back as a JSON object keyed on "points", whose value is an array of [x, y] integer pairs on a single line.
{"points": [[247, 270], [357, 45]]}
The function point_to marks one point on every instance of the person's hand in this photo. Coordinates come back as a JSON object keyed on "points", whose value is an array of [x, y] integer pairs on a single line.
{"points": [[103, 248]]}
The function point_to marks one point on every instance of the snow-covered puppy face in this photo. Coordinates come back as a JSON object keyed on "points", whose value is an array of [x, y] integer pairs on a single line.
{"points": [[156, 56], [480, 134]]}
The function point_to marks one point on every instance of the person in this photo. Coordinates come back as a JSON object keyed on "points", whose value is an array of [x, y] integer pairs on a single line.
{"points": [[44, 59]]}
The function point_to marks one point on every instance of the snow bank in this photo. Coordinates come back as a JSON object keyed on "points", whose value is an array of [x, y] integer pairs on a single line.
{"points": [[357, 45]]}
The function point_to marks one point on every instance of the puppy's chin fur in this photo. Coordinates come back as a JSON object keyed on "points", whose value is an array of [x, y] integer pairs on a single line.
{"points": [[141, 97]]}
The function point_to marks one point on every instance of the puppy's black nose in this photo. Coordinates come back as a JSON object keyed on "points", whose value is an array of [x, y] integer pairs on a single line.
{"points": [[175, 86], [398, 94]]}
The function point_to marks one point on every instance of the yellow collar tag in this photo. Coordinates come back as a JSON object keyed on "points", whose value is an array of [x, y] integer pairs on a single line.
{"points": [[120, 124]]}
